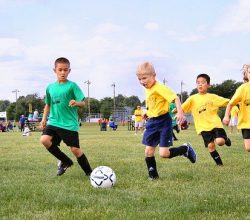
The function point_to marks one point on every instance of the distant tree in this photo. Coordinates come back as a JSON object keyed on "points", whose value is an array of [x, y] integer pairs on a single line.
{"points": [[119, 100], [106, 108], [132, 101], [3, 105]]}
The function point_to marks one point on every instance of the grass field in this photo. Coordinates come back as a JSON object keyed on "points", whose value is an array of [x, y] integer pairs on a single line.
{"points": [[30, 189]]}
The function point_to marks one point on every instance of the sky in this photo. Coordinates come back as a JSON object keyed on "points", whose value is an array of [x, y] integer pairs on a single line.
{"points": [[105, 41]]}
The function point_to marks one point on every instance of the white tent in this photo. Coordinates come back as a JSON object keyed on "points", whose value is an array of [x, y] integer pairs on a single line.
{"points": [[3, 116]]}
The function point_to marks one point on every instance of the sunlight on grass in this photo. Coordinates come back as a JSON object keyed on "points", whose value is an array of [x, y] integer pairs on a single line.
{"points": [[30, 188]]}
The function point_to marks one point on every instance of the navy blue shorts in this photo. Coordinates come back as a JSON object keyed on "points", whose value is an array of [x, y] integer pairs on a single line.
{"points": [[210, 136], [70, 138], [159, 131]]}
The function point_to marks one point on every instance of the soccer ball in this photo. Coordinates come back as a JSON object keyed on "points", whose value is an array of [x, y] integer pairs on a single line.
{"points": [[102, 177]]}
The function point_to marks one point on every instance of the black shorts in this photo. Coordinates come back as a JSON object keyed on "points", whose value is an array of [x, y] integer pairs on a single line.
{"points": [[70, 138], [245, 133], [210, 136]]}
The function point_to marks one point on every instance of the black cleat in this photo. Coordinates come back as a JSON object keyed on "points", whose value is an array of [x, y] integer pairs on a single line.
{"points": [[62, 167], [228, 142]]}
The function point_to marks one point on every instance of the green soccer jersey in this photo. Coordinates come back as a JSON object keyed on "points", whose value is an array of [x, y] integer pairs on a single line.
{"points": [[58, 97]]}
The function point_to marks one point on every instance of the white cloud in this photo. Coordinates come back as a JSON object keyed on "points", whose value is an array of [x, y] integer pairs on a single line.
{"points": [[152, 26], [235, 19], [109, 28], [10, 47]]}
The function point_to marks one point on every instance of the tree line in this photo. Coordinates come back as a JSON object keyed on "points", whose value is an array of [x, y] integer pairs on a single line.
{"points": [[105, 105]]}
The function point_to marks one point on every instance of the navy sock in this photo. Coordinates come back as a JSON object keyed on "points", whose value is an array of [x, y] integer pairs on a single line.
{"points": [[151, 165], [177, 151]]}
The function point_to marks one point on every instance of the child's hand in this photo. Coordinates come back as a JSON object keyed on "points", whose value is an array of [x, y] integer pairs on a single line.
{"points": [[72, 103], [42, 124], [226, 120]]}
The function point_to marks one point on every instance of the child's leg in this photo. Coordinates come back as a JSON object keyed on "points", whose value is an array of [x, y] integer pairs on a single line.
{"points": [[82, 160], [214, 154], [46, 140], [175, 138], [151, 162], [247, 144], [184, 150]]}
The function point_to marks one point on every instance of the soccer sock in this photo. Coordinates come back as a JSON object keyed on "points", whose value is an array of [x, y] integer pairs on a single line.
{"points": [[177, 151], [55, 151], [215, 155], [175, 138], [84, 163], [151, 165]]}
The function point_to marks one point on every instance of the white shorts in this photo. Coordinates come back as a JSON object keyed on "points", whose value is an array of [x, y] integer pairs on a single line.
{"points": [[233, 121], [139, 124]]}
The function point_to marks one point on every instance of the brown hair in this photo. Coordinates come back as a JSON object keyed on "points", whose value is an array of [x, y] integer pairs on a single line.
{"points": [[62, 60]]}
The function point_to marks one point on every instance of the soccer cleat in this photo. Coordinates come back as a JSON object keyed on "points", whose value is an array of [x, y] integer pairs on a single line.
{"points": [[62, 167], [190, 154], [228, 142]]}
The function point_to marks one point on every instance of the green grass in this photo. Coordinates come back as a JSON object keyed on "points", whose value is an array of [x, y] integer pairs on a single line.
{"points": [[30, 189]]}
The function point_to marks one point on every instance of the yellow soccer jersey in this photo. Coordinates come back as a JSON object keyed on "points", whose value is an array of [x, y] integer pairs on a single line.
{"points": [[242, 97], [204, 108], [158, 98], [234, 111], [138, 114]]}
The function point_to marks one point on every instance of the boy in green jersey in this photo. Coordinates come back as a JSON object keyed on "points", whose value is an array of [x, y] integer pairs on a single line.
{"points": [[63, 98]]}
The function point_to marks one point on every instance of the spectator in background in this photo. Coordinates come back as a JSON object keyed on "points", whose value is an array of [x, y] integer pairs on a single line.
{"points": [[26, 131], [35, 115], [138, 113], [2, 127], [22, 122], [234, 119]]}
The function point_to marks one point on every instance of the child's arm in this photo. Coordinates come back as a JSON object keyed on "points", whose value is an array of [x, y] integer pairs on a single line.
{"points": [[45, 115], [73, 103], [226, 118], [179, 115]]}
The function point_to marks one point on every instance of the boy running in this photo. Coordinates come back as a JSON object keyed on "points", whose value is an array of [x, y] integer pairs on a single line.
{"points": [[159, 129]]}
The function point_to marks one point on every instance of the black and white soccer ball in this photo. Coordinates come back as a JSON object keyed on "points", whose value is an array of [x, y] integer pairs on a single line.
{"points": [[103, 177]]}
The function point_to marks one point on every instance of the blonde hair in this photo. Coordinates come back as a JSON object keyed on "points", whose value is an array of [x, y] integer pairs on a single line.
{"points": [[244, 71], [145, 68]]}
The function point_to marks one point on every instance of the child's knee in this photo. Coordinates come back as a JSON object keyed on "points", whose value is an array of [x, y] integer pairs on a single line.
{"points": [[46, 141], [149, 151], [76, 151]]}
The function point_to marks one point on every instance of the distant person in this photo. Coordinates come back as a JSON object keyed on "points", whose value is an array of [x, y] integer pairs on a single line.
{"points": [[204, 107], [242, 97], [234, 119], [22, 122], [10, 126], [113, 125], [26, 131], [138, 113], [2, 126], [172, 112], [30, 117], [159, 123], [63, 98], [36, 115]]}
